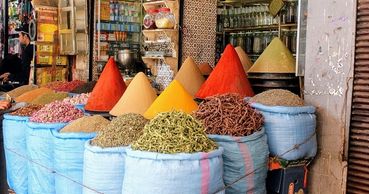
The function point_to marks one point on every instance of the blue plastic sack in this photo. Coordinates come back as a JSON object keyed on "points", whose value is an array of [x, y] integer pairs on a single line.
{"points": [[68, 161], [244, 156], [80, 107], [40, 149], [287, 127], [14, 131], [103, 169], [150, 172]]}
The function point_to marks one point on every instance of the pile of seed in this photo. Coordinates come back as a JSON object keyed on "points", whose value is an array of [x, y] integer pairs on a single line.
{"points": [[33, 94], [50, 97], [86, 124], [121, 131], [27, 111], [21, 90], [174, 132], [85, 88], [228, 114], [65, 86], [278, 97], [78, 99], [56, 112]]}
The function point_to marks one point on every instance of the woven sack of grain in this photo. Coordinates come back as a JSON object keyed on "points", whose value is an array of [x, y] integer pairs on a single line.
{"points": [[103, 169], [290, 130], [173, 173]]}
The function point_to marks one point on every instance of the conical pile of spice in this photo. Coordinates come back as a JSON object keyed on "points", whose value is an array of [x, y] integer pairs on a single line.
{"points": [[121, 131], [86, 124], [190, 76], [137, 98], [33, 94], [108, 90], [174, 132], [49, 97], [276, 58], [21, 90], [244, 58], [174, 97], [227, 77]]}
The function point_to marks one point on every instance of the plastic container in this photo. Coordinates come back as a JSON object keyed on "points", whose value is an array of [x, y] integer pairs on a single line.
{"points": [[149, 19], [165, 19]]}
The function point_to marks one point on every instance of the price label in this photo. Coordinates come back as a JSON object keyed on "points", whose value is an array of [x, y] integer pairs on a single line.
{"points": [[275, 6]]}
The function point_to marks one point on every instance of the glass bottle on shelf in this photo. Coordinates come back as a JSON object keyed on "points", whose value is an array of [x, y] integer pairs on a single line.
{"points": [[233, 39], [235, 18], [240, 18], [257, 44], [283, 14], [285, 37], [225, 18], [248, 42], [254, 16], [291, 12], [293, 45], [220, 21], [231, 18], [240, 40]]}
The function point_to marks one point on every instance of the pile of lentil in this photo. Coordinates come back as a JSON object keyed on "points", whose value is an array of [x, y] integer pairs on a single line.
{"points": [[121, 131], [21, 90], [86, 124], [228, 114], [174, 132], [50, 97], [85, 88], [278, 97], [64, 86], [56, 112], [31, 95], [78, 99], [27, 111]]}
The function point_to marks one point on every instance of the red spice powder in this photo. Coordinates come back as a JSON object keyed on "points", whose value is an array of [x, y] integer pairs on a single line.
{"points": [[108, 89], [228, 76]]}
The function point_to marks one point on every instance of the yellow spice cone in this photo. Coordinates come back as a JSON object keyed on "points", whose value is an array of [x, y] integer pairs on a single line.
{"points": [[190, 76], [276, 58], [174, 97], [137, 98], [244, 58]]}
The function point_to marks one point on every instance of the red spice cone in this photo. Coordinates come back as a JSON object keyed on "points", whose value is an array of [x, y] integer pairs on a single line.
{"points": [[228, 76], [108, 89]]}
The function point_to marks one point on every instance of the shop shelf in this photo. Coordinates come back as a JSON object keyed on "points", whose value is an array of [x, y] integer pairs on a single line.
{"points": [[252, 28], [156, 4], [288, 25]]}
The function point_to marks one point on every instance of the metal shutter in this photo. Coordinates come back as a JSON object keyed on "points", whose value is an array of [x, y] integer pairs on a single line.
{"points": [[358, 168]]}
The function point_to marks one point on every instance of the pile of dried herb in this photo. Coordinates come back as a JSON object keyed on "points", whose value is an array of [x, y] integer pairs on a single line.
{"points": [[50, 97], [121, 131], [278, 97], [85, 88], [174, 132], [27, 111], [87, 124]]}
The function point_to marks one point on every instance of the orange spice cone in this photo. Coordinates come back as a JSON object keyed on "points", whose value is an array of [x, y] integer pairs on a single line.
{"points": [[108, 89], [174, 97], [276, 58], [227, 77], [244, 58], [137, 98], [190, 76]]}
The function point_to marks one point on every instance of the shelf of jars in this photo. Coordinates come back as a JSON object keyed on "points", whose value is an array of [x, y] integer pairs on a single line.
{"points": [[161, 36], [252, 27]]}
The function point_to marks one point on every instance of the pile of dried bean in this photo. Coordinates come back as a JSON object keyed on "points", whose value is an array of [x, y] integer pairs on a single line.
{"points": [[87, 124], [229, 114], [121, 131], [56, 112], [27, 111], [21, 90], [85, 88], [65, 86], [51, 97], [174, 132], [278, 97], [78, 99]]}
